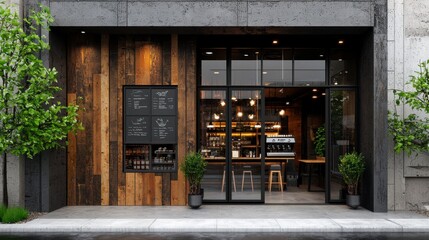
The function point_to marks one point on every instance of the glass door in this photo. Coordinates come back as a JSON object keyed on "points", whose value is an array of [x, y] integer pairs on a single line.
{"points": [[342, 138], [213, 143], [246, 158]]}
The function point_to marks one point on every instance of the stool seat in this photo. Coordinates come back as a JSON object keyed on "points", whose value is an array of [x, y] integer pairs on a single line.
{"points": [[276, 167]]}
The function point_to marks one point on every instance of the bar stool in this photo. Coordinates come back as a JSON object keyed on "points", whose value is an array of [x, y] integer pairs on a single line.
{"points": [[275, 169], [247, 169], [233, 178]]}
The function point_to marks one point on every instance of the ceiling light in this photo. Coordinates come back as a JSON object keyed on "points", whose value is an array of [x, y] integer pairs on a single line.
{"points": [[340, 59], [321, 55], [308, 84], [264, 72], [83, 32], [287, 103], [275, 41], [251, 116], [216, 73], [282, 112], [239, 114], [335, 83], [340, 42], [314, 89], [216, 116], [252, 102], [323, 94], [246, 55], [234, 99], [222, 103], [314, 97], [209, 53]]}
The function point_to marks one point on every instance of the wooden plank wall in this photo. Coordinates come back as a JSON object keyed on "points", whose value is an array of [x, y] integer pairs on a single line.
{"points": [[98, 67]]}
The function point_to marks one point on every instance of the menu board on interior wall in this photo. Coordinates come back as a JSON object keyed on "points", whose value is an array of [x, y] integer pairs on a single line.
{"points": [[150, 115]]}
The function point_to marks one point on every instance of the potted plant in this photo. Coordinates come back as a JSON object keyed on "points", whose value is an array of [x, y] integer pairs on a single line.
{"points": [[319, 143], [194, 167], [351, 167]]}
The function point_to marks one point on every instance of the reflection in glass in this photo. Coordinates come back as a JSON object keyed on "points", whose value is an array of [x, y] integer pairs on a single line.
{"points": [[309, 67], [213, 67], [246, 145], [342, 134], [342, 67], [246, 67], [277, 67], [212, 145]]}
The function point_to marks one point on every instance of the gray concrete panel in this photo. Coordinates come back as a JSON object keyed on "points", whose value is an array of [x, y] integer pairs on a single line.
{"points": [[417, 18], [417, 192], [85, 13], [303, 13], [182, 14]]}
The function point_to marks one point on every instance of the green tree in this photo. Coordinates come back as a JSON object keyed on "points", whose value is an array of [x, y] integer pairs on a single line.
{"points": [[31, 120], [411, 132]]}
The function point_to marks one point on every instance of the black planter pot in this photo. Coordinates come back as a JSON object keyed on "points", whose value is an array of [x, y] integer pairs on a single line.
{"points": [[353, 201], [195, 201]]}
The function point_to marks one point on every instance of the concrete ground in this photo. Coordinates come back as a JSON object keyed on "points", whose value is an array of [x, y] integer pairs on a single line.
{"points": [[222, 218]]}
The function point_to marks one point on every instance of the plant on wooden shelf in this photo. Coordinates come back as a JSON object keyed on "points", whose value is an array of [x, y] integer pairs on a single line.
{"points": [[194, 168], [319, 143], [351, 167]]}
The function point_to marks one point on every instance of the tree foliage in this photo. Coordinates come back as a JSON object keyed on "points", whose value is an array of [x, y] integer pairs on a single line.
{"points": [[320, 141], [411, 132], [30, 119]]}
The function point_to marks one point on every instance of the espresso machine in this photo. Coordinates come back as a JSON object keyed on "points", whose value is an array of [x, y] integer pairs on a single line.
{"points": [[279, 146]]}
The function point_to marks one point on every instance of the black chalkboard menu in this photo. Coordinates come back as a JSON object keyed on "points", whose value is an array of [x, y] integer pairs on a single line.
{"points": [[150, 114]]}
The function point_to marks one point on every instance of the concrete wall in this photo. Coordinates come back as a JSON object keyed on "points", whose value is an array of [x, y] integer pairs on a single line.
{"points": [[15, 180], [213, 13], [408, 44]]}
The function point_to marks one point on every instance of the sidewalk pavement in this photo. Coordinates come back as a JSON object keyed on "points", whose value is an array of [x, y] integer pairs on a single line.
{"points": [[222, 218]]}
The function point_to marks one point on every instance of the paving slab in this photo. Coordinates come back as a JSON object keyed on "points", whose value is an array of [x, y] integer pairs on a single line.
{"points": [[247, 225], [303, 225], [368, 225], [183, 225], [413, 225]]}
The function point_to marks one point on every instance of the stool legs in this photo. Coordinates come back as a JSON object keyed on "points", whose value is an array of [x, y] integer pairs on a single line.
{"points": [[233, 181], [251, 179], [279, 180]]}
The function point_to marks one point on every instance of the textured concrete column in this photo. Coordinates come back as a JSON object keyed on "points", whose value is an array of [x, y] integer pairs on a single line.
{"points": [[15, 180]]}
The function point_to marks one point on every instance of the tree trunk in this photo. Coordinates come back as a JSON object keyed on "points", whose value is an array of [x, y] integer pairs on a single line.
{"points": [[4, 172]]}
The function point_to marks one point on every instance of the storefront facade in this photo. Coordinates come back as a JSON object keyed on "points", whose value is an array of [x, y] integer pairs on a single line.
{"points": [[98, 47]]}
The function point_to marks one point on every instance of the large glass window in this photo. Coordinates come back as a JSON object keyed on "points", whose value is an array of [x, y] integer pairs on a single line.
{"points": [[309, 69], [342, 67], [245, 67], [213, 67], [277, 67]]}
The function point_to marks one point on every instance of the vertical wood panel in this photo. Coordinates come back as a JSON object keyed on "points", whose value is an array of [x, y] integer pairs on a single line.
{"points": [[158, 191], [166, 190], [71, 160], [121, 81], [142, 63], [130, 80], [174, 59], [191, 106], [156, 64], [178, 187], [113, 122], [166, 61], [104, 124], [96, 124]]}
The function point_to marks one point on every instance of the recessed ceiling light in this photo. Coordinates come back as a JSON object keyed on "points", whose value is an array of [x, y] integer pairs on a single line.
{"points": [[209, 53], [216, 116], [275, 41], [239, 114], [340, 42], [222, 103], [215, 73], [335, 83], [246, 55], [314, 89], [251, 116], [321, 55], [282, 112], [264, 72], [314, 97], [308, 84], [340, 59], [83, 32], [323, 94], [233, 98], [287, 103], [252, 102]]}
